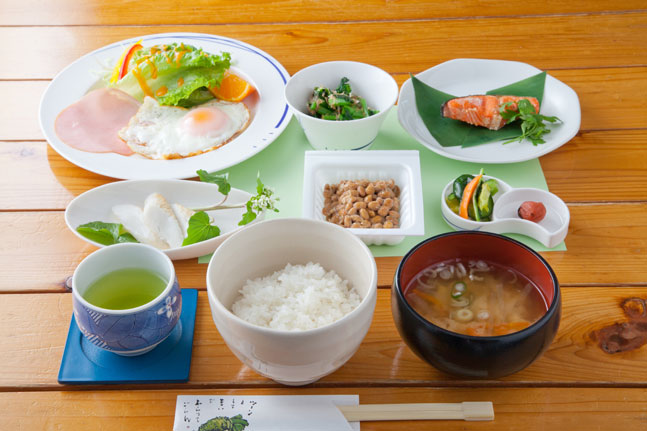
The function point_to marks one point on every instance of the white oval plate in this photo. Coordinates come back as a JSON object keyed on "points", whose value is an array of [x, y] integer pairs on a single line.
{"points": [[270, 113], [96, 205], [550, 231], [466, 76]]}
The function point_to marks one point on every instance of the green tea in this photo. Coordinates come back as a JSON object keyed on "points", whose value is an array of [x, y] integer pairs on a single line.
{"points": [[125, 288]]}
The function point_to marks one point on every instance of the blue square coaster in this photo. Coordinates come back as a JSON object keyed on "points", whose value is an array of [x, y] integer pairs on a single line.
{"points": [[169, 362]]}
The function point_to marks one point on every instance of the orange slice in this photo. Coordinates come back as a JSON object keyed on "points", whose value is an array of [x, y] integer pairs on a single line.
{"points": [[233, 88]]}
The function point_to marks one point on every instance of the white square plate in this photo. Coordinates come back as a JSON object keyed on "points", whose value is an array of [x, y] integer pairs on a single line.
{"points": [[331, 167]]}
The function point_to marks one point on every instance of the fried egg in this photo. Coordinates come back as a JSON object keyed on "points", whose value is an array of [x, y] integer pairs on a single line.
{"points": [[170, 132]]}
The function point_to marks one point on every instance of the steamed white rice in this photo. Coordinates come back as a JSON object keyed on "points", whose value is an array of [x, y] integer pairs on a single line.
{"points": [[298, 297]]}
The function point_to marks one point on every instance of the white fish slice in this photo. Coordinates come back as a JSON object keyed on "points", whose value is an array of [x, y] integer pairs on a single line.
{"points": [[132, 217], [182, 214], [160, 218]]}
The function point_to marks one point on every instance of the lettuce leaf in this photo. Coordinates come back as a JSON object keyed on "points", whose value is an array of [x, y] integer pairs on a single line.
{"points": [[172, 73], [198, 97]]}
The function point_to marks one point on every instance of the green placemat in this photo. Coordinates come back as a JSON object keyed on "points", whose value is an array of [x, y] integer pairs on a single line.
{"points": [[281, 167]]}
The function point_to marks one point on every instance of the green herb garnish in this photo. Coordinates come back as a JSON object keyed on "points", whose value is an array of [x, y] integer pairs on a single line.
{"points": [[200, 229], [263, 200], [105, 233], [259, 203], [220, 179], [532, 124]]}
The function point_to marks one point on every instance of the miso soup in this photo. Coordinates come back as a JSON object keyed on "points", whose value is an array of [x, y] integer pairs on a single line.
{"points": [[475, 297]]}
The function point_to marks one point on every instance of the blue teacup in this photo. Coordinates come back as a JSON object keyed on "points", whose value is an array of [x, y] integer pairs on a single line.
{"points": [[133, 331]]}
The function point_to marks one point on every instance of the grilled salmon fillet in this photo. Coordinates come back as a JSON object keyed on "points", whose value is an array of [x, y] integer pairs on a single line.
{"points": [[482, 110]]}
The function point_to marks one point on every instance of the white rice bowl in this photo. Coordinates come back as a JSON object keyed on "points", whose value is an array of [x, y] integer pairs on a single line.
{"points": [[296, 298]]}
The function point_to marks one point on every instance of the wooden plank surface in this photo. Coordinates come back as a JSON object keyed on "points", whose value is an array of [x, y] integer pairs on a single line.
{"points": [[593, 86], [606, 245], [31, 353], [596, 47], [609, 166], [566, 42], [528, 409], [35, 177], [21, 119], [97, 12]]}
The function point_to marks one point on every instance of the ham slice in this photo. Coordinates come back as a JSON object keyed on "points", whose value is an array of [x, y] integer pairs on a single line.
{"points": [[92, 124]]}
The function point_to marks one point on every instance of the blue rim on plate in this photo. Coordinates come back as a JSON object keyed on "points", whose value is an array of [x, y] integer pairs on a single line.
{"points": [[270, 113]]}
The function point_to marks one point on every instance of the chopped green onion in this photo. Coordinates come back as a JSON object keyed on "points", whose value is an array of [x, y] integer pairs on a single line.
{"points": [[464, 315], [463, 301], [459, 289]]}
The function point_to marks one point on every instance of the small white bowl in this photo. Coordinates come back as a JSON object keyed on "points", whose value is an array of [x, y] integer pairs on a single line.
{"points": [[373, 84], [322, 167], [550, 231], [291, 357]]}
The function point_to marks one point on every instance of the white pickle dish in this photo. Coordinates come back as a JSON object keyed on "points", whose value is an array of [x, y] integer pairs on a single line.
{"points": [[551, 230]]}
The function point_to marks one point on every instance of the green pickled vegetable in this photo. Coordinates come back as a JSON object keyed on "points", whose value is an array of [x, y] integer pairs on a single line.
{"points": [[485, 199], [477, 214], [460, 183], [482, 205], [453, 202]]}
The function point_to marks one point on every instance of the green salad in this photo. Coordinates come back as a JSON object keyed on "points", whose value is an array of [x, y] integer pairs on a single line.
{"points": [[175, 74]]}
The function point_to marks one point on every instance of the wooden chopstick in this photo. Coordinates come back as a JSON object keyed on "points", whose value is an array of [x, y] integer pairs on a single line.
{"points": [[469, 411]]}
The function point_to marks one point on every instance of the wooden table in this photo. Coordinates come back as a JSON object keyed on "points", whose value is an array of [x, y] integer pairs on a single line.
{"points": [[599, 48]]}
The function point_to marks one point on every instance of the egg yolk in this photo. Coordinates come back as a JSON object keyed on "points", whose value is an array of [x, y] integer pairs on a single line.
{"points": [[204, 121]]}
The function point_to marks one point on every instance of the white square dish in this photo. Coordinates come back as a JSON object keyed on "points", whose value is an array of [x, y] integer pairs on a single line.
{"points": [[324, 167]]}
